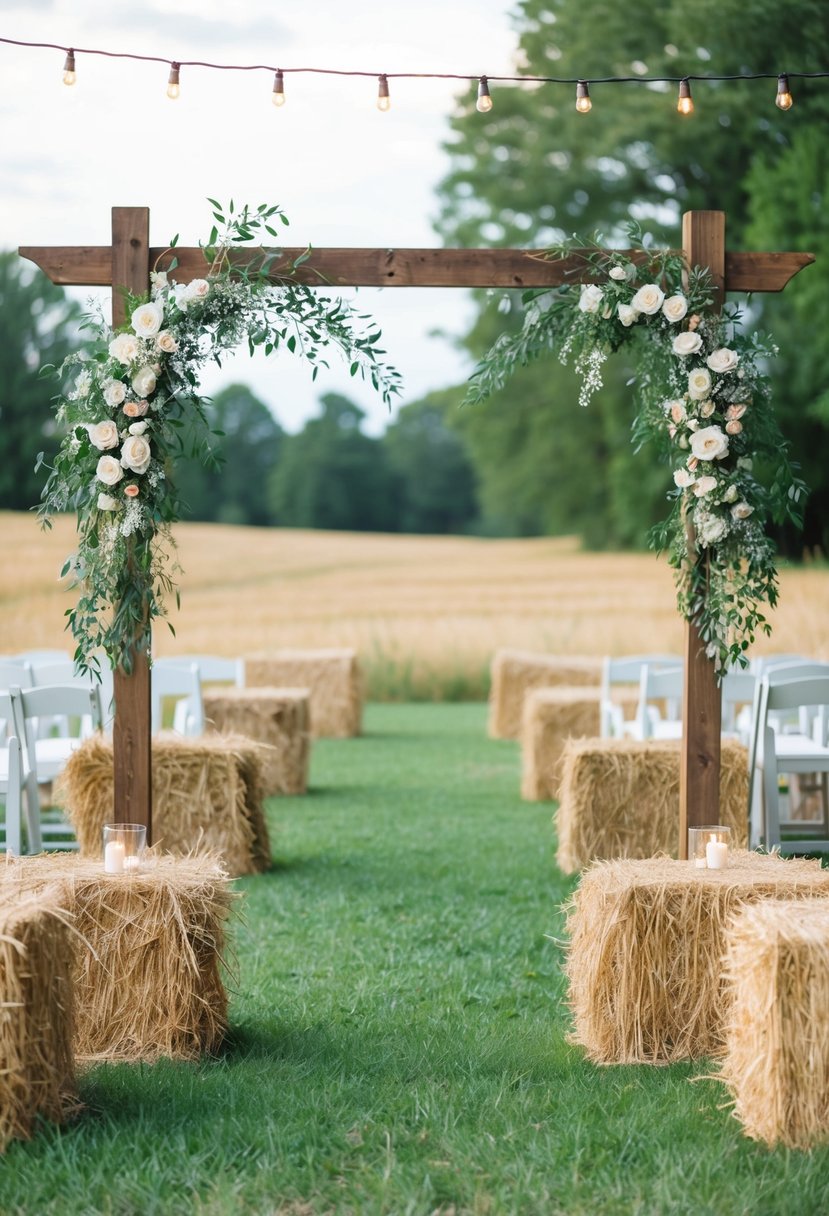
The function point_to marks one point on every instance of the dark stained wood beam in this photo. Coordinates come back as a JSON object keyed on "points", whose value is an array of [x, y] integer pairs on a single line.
{"points": [[91, 266]]}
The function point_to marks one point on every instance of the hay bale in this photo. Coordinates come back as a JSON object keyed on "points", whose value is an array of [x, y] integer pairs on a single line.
{"points": [[275, 717], [620, 798], [147, 952], [515, 672], [207, 793], [645, 955], [332, 677], [36, 1060], [551, 716], [776, 1062]]}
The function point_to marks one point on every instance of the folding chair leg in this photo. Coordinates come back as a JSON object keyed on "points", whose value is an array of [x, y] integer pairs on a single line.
{"points": [[35, 840]]}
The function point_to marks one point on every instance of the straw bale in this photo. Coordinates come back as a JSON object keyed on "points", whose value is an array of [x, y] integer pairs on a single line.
{"points": [[776, 1062], [646, 940], [275, 717], [552, 716], [207, 792], [620, 798], [332, 677], [36, 1061], [515, 672], [147, 952]]}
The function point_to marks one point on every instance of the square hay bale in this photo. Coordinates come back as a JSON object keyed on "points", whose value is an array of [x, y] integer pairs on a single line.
{"points": [[332, 677], [645, 955], [620, 798], [207, 793], [279, 718], [515, 672], [552, 716], [776, 1062], [146, 952], [36, 1061]]}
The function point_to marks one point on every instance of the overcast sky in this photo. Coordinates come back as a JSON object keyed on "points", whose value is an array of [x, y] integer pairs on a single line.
{"points": [[344, 173]]}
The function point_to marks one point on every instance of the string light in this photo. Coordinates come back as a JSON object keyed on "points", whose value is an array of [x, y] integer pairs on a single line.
{"points": [[685, 102], [383, 99], [173, 88], [783, 100], [583, 103], [69, 69], [484, 103], [278, 95]]}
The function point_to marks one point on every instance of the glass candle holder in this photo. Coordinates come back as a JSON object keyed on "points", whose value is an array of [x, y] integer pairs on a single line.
{"points": [[124, 845], [708, 846]]}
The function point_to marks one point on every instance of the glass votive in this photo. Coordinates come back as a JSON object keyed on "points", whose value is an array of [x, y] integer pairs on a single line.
{"points": [[124, 845], [708, 846]]}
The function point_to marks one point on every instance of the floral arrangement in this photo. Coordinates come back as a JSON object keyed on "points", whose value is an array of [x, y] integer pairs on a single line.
{"points": [[703, 398], [133, 410]]}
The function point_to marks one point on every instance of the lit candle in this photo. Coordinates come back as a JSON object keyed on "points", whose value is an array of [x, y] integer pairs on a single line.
{"points": [[114, 857], [716, 853]]}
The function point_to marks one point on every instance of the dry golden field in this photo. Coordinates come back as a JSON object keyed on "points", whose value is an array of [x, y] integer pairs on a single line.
{"points": [[424, 613]]}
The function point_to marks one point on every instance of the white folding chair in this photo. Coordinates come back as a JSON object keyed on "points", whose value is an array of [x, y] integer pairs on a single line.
{"points": [[182, 683], [792, 753], [628, 670], [737, 699], [63, 671], [44, 759], [11, 780], [664, 685]]}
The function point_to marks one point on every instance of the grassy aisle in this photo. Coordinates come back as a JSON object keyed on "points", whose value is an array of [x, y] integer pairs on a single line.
{"points": [[398, 1032]]}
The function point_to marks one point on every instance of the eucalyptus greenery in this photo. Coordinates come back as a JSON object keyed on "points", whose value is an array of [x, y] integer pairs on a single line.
{"points": [[702, 399], [133, 409]]}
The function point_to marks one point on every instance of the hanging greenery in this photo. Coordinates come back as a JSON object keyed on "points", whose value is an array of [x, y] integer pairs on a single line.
{"points": [[703, 401], [134, 409]]}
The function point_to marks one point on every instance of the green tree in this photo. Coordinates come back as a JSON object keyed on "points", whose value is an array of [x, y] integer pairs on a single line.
{"points": [[248, 449], [533, 170], [331, 475], [38, 326], [435, 479]]}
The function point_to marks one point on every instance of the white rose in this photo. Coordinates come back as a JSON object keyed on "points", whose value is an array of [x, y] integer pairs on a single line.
{"points": [[723, 360], [707, 409], [147, 319], [741, 510], [196, 289], [103, 435], [675, 307], [677, 411], [109, 471], [617, 273], [699, 383], [590, 298], [166, 342], [143, 382], [704, 485], [709, 444], [107, 503], [627, 315], [648, 299], [137, 428], [683, 478], [686, 343], [124, 348], [730, 495], [692, 424], [710, 529], [114, 392], [135, 454]]}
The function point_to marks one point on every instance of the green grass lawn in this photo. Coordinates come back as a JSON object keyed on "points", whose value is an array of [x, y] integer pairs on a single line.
{"points": [[398, 1040]]}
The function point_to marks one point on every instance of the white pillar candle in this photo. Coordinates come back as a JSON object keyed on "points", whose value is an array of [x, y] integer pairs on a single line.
{"points": [[114, 857], [132, 863], [716, 854]]}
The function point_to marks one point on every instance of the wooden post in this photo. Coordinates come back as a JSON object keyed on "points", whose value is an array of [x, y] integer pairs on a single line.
{"points": [[703, 244], [131, 730]]}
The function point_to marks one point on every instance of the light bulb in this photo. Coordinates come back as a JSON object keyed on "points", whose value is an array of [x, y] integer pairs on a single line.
{"points": [[685, 102], [69, 69], [383, 99], [484, 103], [278, 95], [173, 90], [783, 100], [583, 103]]}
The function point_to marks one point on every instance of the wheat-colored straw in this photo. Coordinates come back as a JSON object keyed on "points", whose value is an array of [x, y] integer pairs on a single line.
{"points": [[333, 679], [513, 673], [275, 717]]}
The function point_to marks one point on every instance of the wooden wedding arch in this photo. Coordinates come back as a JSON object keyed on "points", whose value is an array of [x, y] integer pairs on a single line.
{"points": [[126, 263]]}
